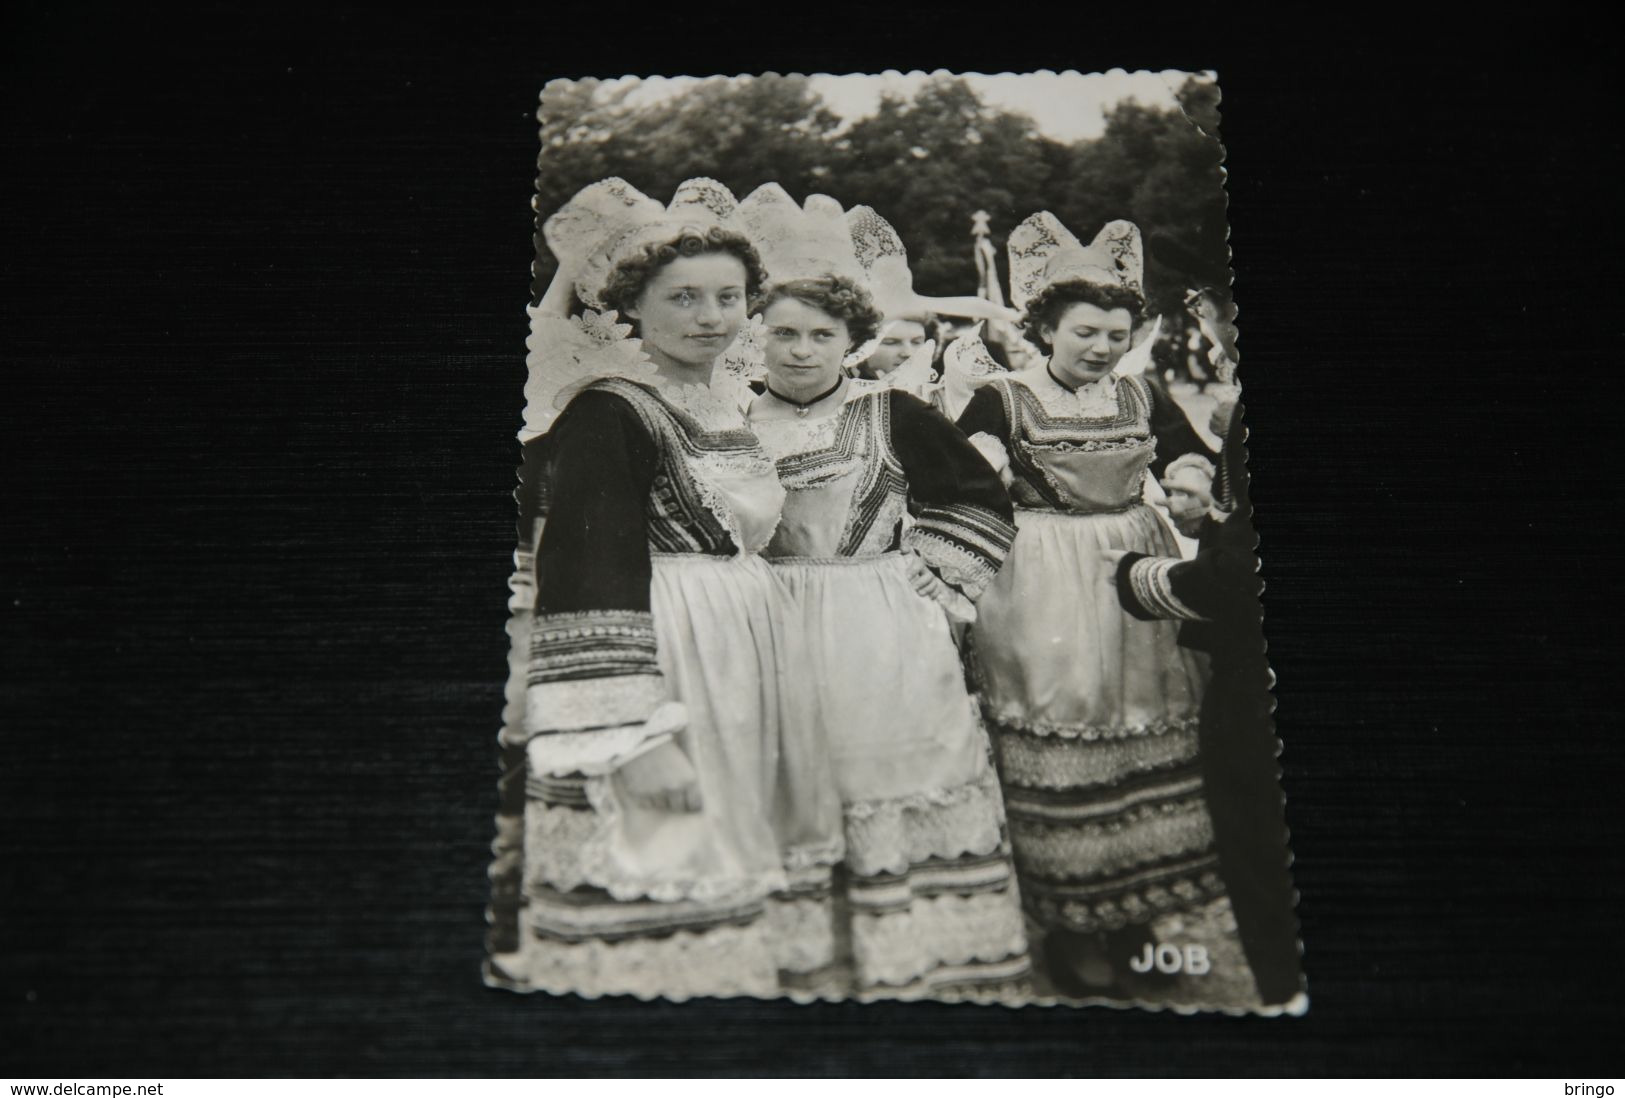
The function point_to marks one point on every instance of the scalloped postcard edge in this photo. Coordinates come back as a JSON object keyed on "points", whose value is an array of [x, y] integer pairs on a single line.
{"points": [[1298, 1005]]}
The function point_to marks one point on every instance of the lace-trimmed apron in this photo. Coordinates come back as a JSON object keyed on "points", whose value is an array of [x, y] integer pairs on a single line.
{"points": [[927, 899], [625, 899], [1093, 713]]}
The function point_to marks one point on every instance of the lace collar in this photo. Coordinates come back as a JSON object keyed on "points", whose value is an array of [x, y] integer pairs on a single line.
{"points": [[788, 436], [1096, 400], [715, 407]]}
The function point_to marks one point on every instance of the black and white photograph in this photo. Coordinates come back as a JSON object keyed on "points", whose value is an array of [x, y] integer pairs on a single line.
{"points": [[884, 619], [910, 542]]}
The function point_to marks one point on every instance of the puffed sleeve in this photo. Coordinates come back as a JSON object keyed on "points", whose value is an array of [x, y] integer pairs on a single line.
{"points": [[594, 692], [1174, 434], [963, 523], [984, 423]]}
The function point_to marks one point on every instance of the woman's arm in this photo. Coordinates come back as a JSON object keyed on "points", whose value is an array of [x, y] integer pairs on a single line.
{"points": [[595, 694], [964, 522], [984, 423]]}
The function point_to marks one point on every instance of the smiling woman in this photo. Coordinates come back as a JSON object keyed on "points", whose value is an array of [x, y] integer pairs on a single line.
{"points": [[1085, 328]]}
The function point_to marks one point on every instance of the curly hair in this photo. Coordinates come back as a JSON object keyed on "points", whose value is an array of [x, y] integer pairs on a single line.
{"points": [[840, 297], [1046, 310], [927, 320], [631, 275]]}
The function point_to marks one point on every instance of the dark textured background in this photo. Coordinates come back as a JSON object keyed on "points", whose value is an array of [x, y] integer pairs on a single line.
{"points": [[263, 288]]}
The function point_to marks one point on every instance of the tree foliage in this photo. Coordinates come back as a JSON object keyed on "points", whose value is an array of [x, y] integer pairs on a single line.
{"points": [[926, 163]]}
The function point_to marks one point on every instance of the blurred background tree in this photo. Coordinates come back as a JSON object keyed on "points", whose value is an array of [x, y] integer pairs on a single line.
{"points": [[1162, 170], [926, 164], [742, 132]]}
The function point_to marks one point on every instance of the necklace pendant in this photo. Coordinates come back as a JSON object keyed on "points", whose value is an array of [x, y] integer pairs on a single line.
{"points": [[801, 413]]}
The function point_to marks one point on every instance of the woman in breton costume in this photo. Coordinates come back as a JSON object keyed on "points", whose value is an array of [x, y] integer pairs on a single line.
{"points": [[900, 338], [926, 902], [656, 822], [899, 358], [1093, 713]]}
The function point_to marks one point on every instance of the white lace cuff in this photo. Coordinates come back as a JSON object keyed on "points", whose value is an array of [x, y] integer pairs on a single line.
{"points": [[955, 604], [995, 453], [600, 750], [963, 544]]}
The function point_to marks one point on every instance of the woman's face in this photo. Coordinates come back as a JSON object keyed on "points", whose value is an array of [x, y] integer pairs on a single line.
{"points": [[804, 347], [898, 340], [1088, 341], [691, 309]]}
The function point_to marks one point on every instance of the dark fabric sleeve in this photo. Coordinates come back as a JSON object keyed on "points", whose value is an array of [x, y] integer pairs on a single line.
{"points": [[1133, 604], [964, 522], [985, 415], [1174, 433], [593, 676], [1219, 584], [595, 549]]}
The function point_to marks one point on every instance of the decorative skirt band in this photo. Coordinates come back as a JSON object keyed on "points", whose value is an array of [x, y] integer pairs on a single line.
{"points": [[1053, 513], [698, 558], [872, 558]]}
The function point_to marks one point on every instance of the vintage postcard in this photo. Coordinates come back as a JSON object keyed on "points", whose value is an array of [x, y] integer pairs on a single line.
{"points": [[885, 621]]}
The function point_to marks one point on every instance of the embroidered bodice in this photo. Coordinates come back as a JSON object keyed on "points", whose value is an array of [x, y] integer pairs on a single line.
{"points": [[635, 469], [847, 493], [715, 490], [1084, 451]]}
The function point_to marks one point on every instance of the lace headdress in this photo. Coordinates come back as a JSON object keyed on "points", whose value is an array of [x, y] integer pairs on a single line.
{"points": [[590, 235], [967, 363], [1044, 252], [804, 241], [880, 252], [610, 220], [1137, 360], [819, 239], [810, 241]]}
